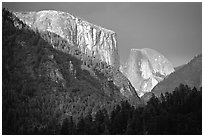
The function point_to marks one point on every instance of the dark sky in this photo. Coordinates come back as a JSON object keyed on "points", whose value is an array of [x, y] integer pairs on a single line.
{"points": [[173, 29]]}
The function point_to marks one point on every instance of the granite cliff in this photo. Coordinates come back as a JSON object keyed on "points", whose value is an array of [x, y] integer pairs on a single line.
{"points": [[145, 68], [189, 74], [92, 40], [94, 46], [49, 87]]}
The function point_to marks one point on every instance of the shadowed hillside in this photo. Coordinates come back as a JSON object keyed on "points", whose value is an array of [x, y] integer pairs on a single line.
{"points": [[45, 82], [189, 74], [51, 87]]}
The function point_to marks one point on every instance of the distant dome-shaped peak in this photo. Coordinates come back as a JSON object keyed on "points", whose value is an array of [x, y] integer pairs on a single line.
{"points": [[144, 50], [135, 49], [148, 50], [145, 68]]}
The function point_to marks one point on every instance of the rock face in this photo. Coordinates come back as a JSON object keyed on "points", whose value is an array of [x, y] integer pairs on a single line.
{"points": [[90, 39], [98, 45], [145, 68], [190, 74]]}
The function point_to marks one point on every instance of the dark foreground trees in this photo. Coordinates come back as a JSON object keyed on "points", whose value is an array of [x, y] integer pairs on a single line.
{"points": [[33, 103], [176, 113]]}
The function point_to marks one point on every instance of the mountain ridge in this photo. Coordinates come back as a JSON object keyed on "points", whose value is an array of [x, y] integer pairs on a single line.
{"points": [[91, 39], [145, 68], [189, 74], [49, 86], [109, 76]]}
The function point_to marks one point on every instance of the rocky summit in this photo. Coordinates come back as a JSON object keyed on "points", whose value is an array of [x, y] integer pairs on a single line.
{"points": [[91, 51], [189, 74], [92, 40], [145, 68], [60, 76]]}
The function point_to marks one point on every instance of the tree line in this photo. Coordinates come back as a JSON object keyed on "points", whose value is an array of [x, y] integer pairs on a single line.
{"points": [[177, 113], [33, 104]]}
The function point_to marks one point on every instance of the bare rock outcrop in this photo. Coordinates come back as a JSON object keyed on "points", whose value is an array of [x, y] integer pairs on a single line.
{"points": [[145, 68], [90, 39]]}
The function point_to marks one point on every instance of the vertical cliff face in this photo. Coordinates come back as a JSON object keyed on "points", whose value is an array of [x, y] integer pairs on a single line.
{"points": [[94, 41], [145, 68], [90, 39]]}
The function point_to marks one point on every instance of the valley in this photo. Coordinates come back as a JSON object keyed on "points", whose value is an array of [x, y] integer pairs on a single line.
{"points": [[61, 75]]}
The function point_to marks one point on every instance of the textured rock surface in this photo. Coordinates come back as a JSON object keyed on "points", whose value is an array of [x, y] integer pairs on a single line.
{"points": [[126, 88], [145, 68], [91, 39], [190, 74]]}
